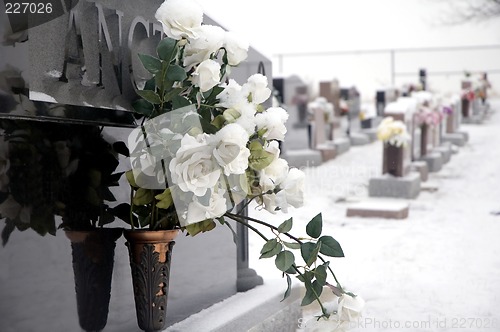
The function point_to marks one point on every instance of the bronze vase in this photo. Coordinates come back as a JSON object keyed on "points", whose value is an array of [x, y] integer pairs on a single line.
{"points": [[150, 256], [93, 257]]}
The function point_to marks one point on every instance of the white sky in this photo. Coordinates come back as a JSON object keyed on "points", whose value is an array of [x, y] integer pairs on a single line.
{"points": [[279, 26]]}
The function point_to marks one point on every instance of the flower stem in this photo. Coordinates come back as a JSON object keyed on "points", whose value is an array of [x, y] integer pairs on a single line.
{"points": [[291, 237], [131, 205], [240, 219], [243, 222]]}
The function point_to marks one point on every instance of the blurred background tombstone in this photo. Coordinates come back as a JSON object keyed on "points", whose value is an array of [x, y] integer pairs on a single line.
{"points": [[422, 78], [297, 148], [356, 135], [402, 183], [332, 92]]}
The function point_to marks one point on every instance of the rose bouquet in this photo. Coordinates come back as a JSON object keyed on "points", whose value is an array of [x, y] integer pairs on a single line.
{"points": [[208, 147], [393, 132], [426, 116]]}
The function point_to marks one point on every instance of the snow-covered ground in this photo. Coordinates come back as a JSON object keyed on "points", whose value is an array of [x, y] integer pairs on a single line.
{"points": [[438, 270]]}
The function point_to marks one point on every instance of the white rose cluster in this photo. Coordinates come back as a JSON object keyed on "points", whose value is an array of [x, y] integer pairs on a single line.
{"points": [[212, 159], [182, 20], [393, 132]]}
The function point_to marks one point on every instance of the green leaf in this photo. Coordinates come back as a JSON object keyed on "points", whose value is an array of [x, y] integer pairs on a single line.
{"points": [[219, 121], [164, 199], [315, 226], [150, 96], [150, 84], [259, 158], [131, 179], [176, 73], [10, 226], [286, 226], [320, 274], [330, 247], [122, 149], [167, 49], [270, 248], [284, 260], [312, 291], [152, 64], [309, 251], [306, 277], [179, 102], [200, 227], [292, 245], [289, 287], [143, 196], [142, 106], [122, 211]]}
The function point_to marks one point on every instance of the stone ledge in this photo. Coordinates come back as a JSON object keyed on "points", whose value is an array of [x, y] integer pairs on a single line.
{"points": [[398, 187], [454, 138], [359, 139], [258, 309], [303, 158], [422, 168], [434, 161], [445, 152], [342, 145], [371, 133], [388, 209]]}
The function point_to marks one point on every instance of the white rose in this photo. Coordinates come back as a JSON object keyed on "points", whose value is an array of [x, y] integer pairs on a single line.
{"points": [[271, 176], [230, 150], [207, 75], [236, 48], [247, 119], [193, 168], [270, 203], [180, 18], [210, 40], [256, 87], [232, 96], [292, 190], [273, 147], [197, 212], [273, 121], [350, 308]]}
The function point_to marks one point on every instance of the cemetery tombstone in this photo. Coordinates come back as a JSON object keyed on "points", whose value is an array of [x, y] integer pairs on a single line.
{"points": [[356, 135], [453, 135], [86, 60], [332, 93], [320, 141], [402, 183]]}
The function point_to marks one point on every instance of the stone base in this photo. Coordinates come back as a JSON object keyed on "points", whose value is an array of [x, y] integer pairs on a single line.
{"points": [[303, 158], [342, 145], [398, 187], [247, 279], [454, 138], [371, 133], [464, 134], [421, 168], [259, 309], [359, 139], [474, 119], [434, 161], [327, 151], [379, 209], [445, 150]]}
